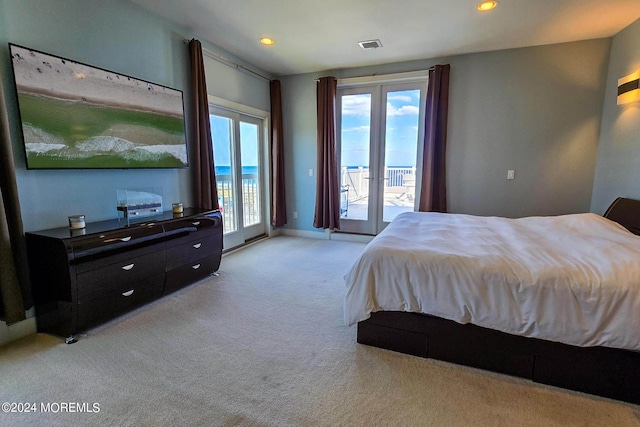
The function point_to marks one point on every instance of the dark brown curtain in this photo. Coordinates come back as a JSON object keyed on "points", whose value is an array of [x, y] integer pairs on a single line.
{"points": [[278, 203], [433, 193], [327, 213], [15, 295], [205, 185]]}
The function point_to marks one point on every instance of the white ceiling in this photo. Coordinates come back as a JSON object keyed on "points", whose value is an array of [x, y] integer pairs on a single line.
{"points": [[323, 34]]}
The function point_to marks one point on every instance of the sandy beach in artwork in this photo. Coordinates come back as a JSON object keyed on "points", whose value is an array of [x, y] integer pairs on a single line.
{"points": [[39, 73]]}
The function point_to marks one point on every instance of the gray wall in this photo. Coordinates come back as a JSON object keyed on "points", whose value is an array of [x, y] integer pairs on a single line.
{"points": [[299, 128], [536, 110], [119, 36], [618, 167], [230, 84]]}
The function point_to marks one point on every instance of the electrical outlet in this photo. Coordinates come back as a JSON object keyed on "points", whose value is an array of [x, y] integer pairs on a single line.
{"points": [[511, 174], [295, 215]]}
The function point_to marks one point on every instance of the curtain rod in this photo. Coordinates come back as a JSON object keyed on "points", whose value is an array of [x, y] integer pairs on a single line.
{"points": [[382, 78], [228, 62], [433, 67]]}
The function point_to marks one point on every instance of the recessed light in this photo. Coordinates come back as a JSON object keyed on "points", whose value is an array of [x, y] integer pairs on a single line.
{"points": [[487, 5], [267, 41]]}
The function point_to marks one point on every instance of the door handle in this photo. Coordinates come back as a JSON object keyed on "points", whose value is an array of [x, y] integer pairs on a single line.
{"points": [[196, 223], [197, 245], [128, 267], [128, 293], [195, 267]]}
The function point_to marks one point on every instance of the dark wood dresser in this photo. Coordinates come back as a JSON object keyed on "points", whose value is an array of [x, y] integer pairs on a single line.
{"points": [[81, 278]]}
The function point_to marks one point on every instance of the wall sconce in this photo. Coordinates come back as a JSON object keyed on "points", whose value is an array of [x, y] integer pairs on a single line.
{"points": [[629, 89]]}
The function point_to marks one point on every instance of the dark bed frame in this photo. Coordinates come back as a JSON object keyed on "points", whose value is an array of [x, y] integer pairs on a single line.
{"points": [[602, 371]]}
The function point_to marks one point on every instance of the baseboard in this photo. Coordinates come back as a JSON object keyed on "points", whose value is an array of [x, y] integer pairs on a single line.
{"points": [[321, 235], [348, 237], [275, 232], [17, 330], [327, 235]]}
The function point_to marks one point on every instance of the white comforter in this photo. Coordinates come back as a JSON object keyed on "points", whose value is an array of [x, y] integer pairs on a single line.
{"points": [[571, 278]]}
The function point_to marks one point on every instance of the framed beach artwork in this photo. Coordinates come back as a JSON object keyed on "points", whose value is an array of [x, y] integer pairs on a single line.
{"points": [[76, 116]]}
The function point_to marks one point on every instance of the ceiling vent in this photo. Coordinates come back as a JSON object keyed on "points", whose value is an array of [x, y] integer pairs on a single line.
{"points": [[370, 44]]}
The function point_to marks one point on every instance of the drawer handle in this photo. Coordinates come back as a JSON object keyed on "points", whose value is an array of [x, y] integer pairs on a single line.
{"points": [[128, 267], [128, 293], [197, 245], [125, 239], [196, 223], [195, 267]]}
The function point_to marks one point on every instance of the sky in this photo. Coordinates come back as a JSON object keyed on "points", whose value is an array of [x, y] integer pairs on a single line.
{"points": [[402, 113], [221, 135], [401, 134]]}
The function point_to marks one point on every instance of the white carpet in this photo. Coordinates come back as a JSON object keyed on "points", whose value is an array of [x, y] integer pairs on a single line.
{"points": [[264, 344]]}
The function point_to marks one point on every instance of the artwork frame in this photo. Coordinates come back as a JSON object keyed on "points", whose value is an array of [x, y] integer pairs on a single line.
{"points": [[79, 116]]}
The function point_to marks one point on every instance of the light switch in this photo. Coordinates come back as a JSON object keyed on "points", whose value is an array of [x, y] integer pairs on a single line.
{"points": [[310, 172], [511, 174]]}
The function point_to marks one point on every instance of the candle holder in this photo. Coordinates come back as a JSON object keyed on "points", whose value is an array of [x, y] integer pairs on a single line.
{"points": [[177, 208], [76, 222]]}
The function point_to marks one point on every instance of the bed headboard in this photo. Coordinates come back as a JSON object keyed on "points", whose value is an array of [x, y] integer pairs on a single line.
{"points": [[625, 212]]}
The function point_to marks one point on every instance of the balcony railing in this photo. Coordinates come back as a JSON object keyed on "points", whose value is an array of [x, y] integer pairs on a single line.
{"points": [[358, 180], [251, 201], [398, 182], [399, 190]]}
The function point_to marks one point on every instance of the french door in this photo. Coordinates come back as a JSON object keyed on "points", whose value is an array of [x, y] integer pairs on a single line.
{"points": [[238, 142], [380, 127]]}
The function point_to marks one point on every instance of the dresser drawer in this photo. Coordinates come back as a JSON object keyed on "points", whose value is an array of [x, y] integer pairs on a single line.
{"points": [[186, 253], [183, 276], [181, 231], [116, 300], [101, 249], [116, 277]]}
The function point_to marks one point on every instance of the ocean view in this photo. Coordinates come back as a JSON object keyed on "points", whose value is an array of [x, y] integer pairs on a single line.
{"points": [[248, 170], [226, 170]]}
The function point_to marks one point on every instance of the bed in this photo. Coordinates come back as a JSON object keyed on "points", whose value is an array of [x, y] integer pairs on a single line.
{"points": [[552, 299]]}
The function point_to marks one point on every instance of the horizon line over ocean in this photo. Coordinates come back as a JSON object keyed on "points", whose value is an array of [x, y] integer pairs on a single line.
{"points": [[226, 170], [252, 170]]}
